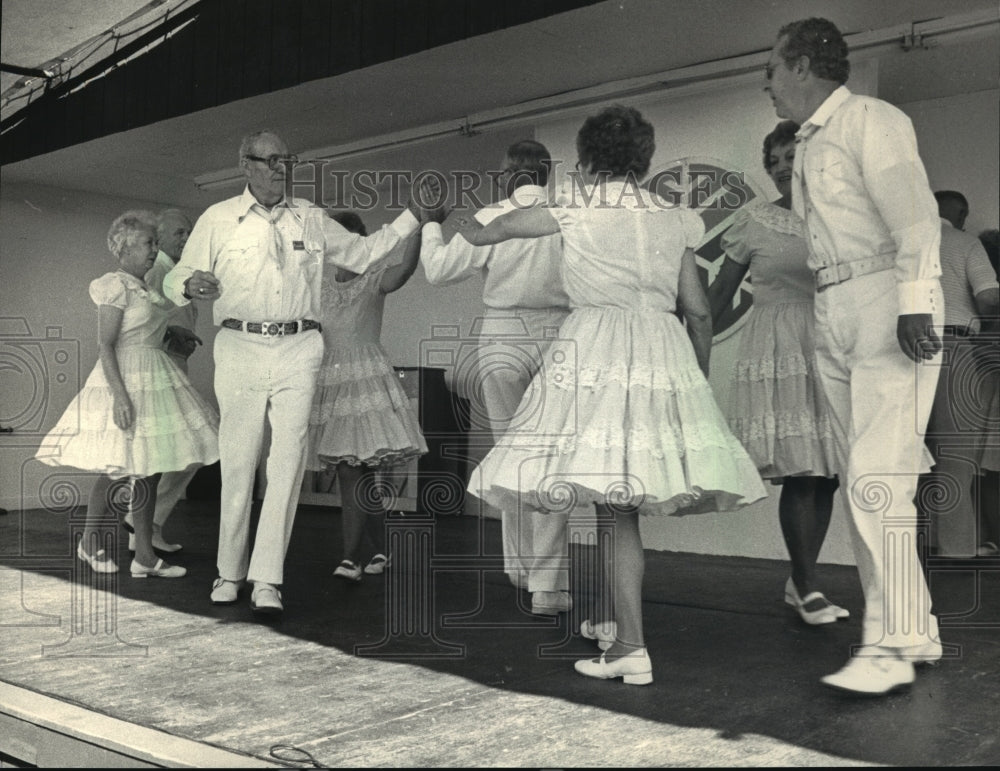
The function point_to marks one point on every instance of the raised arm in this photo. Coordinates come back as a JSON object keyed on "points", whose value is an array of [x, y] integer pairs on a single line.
{"points": [[395, 277], [520, 223], [695, 309], [723, 289]]}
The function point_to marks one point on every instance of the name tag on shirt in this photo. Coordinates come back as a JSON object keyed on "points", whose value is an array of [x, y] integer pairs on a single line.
{"points": [[298, 245]]}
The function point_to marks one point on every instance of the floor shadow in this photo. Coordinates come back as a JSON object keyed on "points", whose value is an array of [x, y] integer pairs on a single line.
{"points": [[728, 654]]}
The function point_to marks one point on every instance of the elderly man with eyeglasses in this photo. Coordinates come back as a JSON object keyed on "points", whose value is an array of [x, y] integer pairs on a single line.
{"points": [[260, 257], [874, 238]]}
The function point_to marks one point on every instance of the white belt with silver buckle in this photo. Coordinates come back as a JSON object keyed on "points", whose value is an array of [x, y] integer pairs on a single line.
{"points": [[842, 271]]}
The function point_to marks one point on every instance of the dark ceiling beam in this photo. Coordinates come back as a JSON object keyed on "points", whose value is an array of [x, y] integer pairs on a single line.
{"points": [[30, 72], [223, 50]]}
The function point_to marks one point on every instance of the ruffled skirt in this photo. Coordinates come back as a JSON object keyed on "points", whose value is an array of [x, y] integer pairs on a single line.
{"points": [[360, 413], [619, 414], [777, 408], [173, 426]]}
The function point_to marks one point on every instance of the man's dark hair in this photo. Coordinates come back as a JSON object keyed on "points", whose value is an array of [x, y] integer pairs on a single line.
{"points": [[953, 206], [821, 41], [530, 161], [951, 195], [783, 134]]}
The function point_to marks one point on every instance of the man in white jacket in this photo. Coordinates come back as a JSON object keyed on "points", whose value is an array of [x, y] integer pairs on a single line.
{"points": [[525, 306]]}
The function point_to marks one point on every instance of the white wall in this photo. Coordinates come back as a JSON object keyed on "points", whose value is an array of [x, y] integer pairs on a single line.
{"points": [[958, 137]]}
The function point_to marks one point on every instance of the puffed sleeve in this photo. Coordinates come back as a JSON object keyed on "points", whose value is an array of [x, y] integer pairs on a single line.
{"points": [[735, 243], [109, 289], [694, 227]]}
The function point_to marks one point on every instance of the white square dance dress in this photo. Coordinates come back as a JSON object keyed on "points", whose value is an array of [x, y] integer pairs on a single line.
{"points": [[620, 413], [173, 427]]}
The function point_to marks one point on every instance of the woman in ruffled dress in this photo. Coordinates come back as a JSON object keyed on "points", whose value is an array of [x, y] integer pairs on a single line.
{"points": [[777, 408], [625, 418], [361, 420], [137, 415]]}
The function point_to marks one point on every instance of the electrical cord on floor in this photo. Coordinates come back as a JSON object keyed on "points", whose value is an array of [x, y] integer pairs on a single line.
{"points": [[295, 756]]}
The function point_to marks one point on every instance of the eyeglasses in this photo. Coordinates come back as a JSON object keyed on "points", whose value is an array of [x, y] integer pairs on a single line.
{"points": [[273, 161]]}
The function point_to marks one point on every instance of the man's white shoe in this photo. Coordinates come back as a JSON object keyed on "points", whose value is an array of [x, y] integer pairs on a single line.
{"points": [[225, 592], [872, 675], [266, 599]]}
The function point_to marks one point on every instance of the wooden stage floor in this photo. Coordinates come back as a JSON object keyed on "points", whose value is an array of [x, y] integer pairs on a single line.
{"points": [[439, 663]]}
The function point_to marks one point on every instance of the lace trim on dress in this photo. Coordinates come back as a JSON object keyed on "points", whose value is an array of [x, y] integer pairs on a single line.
{"points": [[782, 425], [610, 437], [381, 459], [352, 370], [136, 286], [654, 378], [373, 403], [776, 218], [769, 368]]}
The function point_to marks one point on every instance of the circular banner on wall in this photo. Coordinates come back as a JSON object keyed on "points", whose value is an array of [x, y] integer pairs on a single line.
{"points": [[716, 191]]}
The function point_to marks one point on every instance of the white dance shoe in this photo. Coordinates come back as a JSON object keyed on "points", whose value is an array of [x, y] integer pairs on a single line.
{"points": [[100, 562], [872, 675], [160, 570], [827, 614], [633, 669]]}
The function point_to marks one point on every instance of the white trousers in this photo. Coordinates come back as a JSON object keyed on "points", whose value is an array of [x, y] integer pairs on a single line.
{"points": [[880, 401], [512, 344], [262, 380]]}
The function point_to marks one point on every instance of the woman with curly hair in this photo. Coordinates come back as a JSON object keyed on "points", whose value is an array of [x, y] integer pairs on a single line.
{"points": [[137, 415], [625, 419], [779, 412]]}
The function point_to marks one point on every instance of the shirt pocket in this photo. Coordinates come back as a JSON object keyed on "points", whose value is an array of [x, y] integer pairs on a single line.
{"points": [[831, 174], [238, 253]]}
